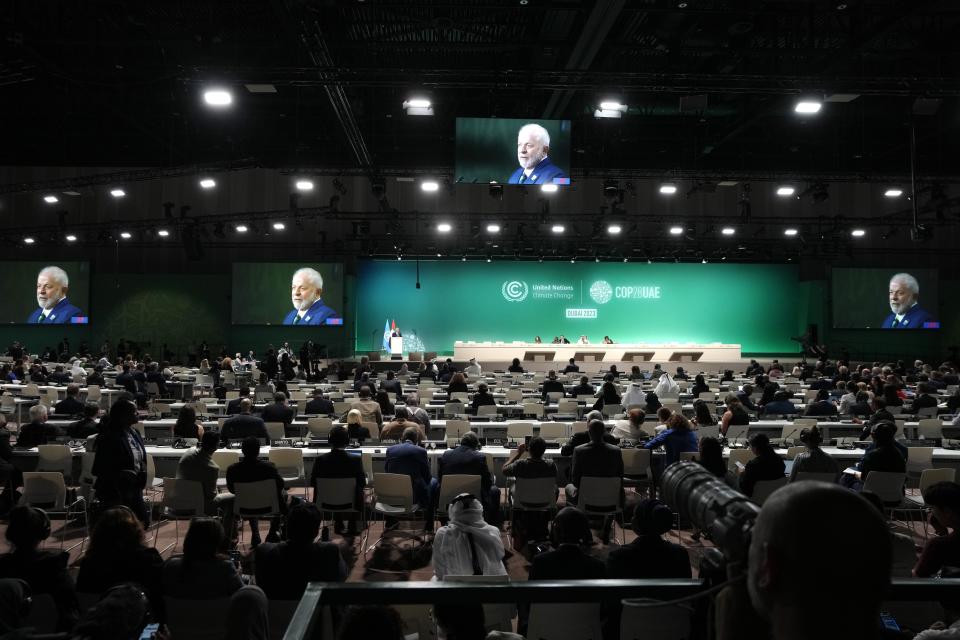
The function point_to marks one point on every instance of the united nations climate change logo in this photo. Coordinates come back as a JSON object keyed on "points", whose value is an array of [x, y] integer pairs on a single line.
{"points": [[601, 291], [514, 290]]}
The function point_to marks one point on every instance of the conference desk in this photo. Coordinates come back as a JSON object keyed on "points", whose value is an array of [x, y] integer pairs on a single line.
{"points": [[626, 352]]}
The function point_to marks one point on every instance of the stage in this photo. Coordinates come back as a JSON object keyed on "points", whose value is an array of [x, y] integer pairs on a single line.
{"points": [[633, 353]]}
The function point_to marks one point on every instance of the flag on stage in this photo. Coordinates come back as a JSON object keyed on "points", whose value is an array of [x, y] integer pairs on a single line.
{"points": [[386, 335], [393, 326]]}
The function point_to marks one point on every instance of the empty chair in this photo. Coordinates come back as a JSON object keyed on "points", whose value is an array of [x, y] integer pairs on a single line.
{"points": [[707, 395], [452, 485], [930, 429], [55, 457], [611, 410], [569, 620], [554, 430], [289, 463], [514, 395], [451, 409], [533, 409], [600, 497], [319, 427], [737, 432], [568, 407], [338, 496], [646, 619], [46, 490], [487, 410], [256, 500], [636, 468], [276, 431], [888, 485], [793, 451], [928, 478], [918, 459], [519, 430], [182, 500]]}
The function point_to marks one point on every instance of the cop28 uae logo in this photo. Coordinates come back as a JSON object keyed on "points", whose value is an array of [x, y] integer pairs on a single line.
{"points": [[601, 291], [515, 290]]}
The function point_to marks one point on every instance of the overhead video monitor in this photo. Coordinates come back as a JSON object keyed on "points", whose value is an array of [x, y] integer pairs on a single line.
{"points": [[512, 151], [307, 294], [888, 298], [55, 292]]}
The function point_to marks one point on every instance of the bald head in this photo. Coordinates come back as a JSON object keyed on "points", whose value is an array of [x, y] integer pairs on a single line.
{"points": [[809, 542]]}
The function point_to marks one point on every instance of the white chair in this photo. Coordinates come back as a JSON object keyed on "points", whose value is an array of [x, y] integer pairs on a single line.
{"points": [[514, 396], [393, 497], [223, 459], [256, 500], [610, 410], [708, 431], [55, 457], [553, 431], [646, 619], [276, 431], [636, 468], [46, 490], [763, 488], [568, 407], [452, 485], [601, 497], [182, 500], [339, 496], [533, 494], [930, 429], [289, 463], [519, 430], [569, 620], [707, 395], [193, 619], [918, 459], [451, 409], [533, 409], [742, 456], [319, 427], [455, 429]]}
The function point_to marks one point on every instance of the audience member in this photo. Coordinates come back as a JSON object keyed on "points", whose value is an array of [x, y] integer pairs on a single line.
{"points": [[678, 437], [37, 431], [482, 398], [814, 459], [596, 459], [466, 459], [319, 405], [283, 569], [583, 389], [401, 422], [233, 406], [338, 463], [278, 411], [821, 406], [649, 555], [734, 415], [187, 424], [71, 405], [467, 545], [251, 468], [780, 405], [766, 465], [531, 525], [120, 466], [409, 458], [243, 425], [86, 425], [355, 428], [204, 571], [703, 416], [608, 396], [943, 499], [631, 428], [368, 407]]}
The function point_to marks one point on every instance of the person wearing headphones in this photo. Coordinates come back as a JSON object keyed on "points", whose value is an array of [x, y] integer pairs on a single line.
{"points": [[44, 571], [814, 459], [649, 556]]}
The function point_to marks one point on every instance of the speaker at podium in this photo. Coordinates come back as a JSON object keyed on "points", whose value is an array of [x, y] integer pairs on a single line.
{"points": [[396, 347]]}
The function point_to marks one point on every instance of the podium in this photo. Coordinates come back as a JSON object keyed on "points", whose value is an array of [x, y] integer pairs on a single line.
{"points": [[396, 346]]}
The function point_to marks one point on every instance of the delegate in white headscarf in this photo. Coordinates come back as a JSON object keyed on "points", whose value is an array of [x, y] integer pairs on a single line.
{"points": [[451, 545], [667, 386], [634, 395]]}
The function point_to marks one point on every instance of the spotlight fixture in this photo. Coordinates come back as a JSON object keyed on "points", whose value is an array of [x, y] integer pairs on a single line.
{"points": [[51, 199], [218, 97], [808, 106], [28, 240], [728, 231], [785, 190], [493, 228], [71, 238], [163, 233], [549, 188], [430, 186], [858, 233], [304, 185], [790, 232], [668, 189], [241, 228], [117, 193], [610, 109], [279, 226], [444, 227], [208, 183], [614, 229], [557, 228], [126, 235], [418, 107], [675, 231], [893, 192]]}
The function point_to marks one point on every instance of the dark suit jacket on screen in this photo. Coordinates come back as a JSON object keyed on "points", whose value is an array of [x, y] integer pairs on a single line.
{"points": [[543, 173], [317, 314], [912, 319], [62, 313]]}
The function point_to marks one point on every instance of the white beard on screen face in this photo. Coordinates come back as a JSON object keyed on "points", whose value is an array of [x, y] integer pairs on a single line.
{"points": [[47, 303], [901, 308], [304, 304]]}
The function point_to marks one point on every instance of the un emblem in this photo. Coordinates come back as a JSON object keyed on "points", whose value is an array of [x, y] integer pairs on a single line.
{"points": [[601, 291], [514, 290]]}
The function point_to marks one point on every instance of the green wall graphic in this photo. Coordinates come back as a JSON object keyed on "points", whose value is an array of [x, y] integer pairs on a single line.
{"points": [[751, 305]]}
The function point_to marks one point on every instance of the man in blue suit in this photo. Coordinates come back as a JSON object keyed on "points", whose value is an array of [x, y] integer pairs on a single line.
{"points": [[533, 147], [409, 458], [54, 308], [906, 312], [308, 308]]}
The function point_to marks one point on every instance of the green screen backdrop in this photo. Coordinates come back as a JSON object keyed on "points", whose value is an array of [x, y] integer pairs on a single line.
{"points": [[750, 305]]}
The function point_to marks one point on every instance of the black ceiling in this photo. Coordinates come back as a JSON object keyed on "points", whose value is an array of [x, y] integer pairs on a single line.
{"points": [[111, 83]]}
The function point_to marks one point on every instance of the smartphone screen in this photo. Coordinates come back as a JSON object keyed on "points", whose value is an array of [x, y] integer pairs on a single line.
{"points": [[149, 631]]}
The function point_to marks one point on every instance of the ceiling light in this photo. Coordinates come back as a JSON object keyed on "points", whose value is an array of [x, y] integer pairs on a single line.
{"points": [[163, 233], [549, 188], [444, 227], [71, 237], [260, 88], [893, 193], [610, 109], [28, 240], [418, 107], [675, 231], [858, 233], [785, 191], [557, 228], [218, 97], [614, 229], [117, 193], [279, 226], [304, 185], [493, 228], [51, 199], [790, 232], [728, 231], [611, 105], [668, 189], [126, 235], [430, 186], [208, 183], [808, 107], [241, 228], [704, 261]]}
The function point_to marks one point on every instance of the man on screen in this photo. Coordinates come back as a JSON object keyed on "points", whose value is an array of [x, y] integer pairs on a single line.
{"points": [[306, 287], [533, 146], [906, 313], [54, 308]]}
